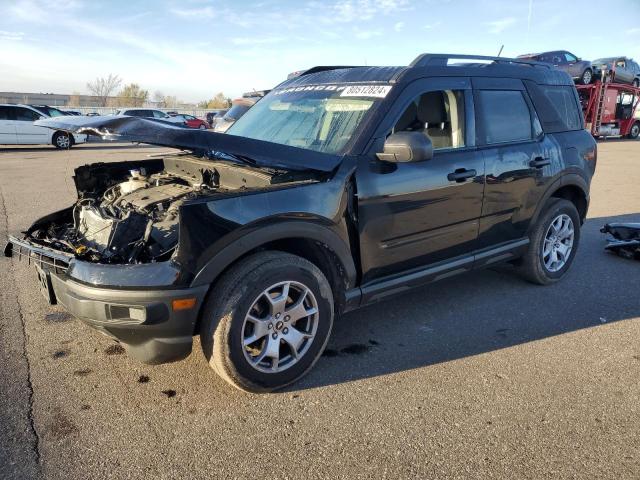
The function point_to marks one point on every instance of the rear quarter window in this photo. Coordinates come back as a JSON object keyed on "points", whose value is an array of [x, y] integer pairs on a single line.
{"points": [[557, 107]]}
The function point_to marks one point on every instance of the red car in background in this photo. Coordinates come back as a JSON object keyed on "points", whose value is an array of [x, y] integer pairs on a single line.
{"points": [[193, 122]]}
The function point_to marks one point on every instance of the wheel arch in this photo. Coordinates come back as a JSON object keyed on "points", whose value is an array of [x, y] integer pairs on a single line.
{"points": [[571, 187], [319, 244]]}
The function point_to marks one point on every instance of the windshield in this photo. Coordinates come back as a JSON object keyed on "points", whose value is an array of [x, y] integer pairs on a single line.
{"points": [[321, 118], [50, 111], [236, 111], [604, 60]]}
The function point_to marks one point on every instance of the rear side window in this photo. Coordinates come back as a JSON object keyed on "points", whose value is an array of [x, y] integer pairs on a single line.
{"points": [[504, 116], [563, 101], [5, 113], [26, 115]]}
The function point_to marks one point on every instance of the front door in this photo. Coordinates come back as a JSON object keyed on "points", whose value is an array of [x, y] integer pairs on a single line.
{"points": [[413, 215], [26, 131], [7, 127]]}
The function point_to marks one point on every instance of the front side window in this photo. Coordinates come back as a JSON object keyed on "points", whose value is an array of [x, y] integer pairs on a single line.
{"points": [[503, 116], [26, 115], [158, 114], [570, 58], [439, 115], [5, 113], [323, 118]]}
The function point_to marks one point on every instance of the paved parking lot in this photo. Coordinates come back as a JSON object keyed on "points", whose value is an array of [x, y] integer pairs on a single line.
{"points": [[482, 376]]}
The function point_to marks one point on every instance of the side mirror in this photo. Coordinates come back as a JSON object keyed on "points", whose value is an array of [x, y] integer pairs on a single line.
{"points": [[402, 147]]}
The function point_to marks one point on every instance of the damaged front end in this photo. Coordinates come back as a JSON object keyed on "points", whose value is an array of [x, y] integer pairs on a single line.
{"points": [[624, 239]]}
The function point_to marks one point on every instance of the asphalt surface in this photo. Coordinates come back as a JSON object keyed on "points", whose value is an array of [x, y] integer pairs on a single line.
{"points": [[481, 376]]}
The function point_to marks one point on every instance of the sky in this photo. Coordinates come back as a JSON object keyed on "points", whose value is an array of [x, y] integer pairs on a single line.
{"points": [[195, 48]]}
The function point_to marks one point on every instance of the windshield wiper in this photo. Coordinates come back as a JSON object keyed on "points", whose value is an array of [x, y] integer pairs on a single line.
{"points": [[232, 157]]}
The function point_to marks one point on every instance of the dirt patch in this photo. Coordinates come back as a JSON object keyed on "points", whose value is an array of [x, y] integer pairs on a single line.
{"points": [[143, 379], [61, 426], [330, 352], [116, 349], [169, 393], [355, 349], [82, 372], [57, 317], [60, 354]]}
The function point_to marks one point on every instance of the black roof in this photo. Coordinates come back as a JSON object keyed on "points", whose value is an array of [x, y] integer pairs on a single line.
{"points": [[435, 65]]}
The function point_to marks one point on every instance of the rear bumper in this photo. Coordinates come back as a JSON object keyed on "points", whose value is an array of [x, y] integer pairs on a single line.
{"points": [[144, 321]]}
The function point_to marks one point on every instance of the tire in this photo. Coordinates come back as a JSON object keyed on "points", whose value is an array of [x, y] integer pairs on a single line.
{"points": [[226, 327], [586, 77], [202, 127], [636, 82], [537, 266], [635, 131], [62, 140]]}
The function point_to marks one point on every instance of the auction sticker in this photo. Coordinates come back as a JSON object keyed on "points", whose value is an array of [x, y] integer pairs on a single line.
{"points": [[378, 91]]}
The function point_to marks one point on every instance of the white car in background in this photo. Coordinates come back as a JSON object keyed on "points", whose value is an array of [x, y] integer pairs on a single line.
{"points": [[17, 128], [149, 113]]}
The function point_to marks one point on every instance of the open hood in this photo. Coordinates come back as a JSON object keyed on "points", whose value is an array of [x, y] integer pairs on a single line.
{"points": [[200, 142]]}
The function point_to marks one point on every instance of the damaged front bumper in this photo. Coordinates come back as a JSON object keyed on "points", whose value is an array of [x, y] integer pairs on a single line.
{"points": [[624, 239], [137, 305]]}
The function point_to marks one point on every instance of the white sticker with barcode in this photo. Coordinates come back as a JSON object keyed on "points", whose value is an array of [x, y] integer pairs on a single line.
{"points": [[378, 91]]}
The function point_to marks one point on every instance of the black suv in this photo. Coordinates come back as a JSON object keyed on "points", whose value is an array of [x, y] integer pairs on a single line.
{"points": [[340, 188]]}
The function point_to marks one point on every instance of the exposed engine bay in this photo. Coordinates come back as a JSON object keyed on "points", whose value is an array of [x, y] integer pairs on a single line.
{"points": [[128, 212]]}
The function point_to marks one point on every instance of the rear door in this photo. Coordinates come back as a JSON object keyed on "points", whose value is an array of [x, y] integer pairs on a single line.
{"points": [[419, 214], [7, 126], [623, 73], [517, 159], [26, 132]]}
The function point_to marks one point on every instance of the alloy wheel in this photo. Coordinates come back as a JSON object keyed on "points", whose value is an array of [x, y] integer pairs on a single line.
{"points": [[62, 141], [586, 77], [280, 327], [558, 243]]}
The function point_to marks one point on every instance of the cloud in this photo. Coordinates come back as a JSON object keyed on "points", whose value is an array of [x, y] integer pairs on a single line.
{"points": [[399, 26], [15, 36], [498, 26], [366, 34], [352, 11], [431, 26], [256, 40], [633, 31], [205, 12]]}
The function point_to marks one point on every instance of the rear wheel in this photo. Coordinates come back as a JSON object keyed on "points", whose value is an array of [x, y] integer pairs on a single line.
{"points": [[635, 131], [267, 321], [586, 77], [554, 242], [202, 127], [62, 140]]}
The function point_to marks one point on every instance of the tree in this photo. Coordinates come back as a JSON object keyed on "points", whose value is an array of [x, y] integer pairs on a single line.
{"points": [[133, 96], [103, 88], [219, 101], [159, 98]]}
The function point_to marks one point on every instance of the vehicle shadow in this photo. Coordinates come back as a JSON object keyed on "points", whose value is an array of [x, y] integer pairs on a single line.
{"points": [[478, 313]]}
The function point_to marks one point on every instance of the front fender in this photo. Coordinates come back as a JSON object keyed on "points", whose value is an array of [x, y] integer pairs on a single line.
{"points": [[255, 235]]}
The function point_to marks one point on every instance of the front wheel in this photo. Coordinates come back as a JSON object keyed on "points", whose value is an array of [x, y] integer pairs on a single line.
{"points": [[553, 243], [267, 321], [202, 127], [635, 131], [586, 77], [62, 140]]}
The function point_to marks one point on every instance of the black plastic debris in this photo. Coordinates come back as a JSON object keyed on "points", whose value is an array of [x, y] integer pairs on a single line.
{"points": [[623, 239]]}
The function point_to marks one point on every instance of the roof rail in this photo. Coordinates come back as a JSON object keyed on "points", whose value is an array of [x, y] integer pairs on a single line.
{"points": [[441, 60], [323, 68]]}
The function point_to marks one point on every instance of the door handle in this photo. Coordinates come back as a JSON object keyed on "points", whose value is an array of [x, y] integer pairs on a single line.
{"points": [[461, 175], [539, 162]]}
